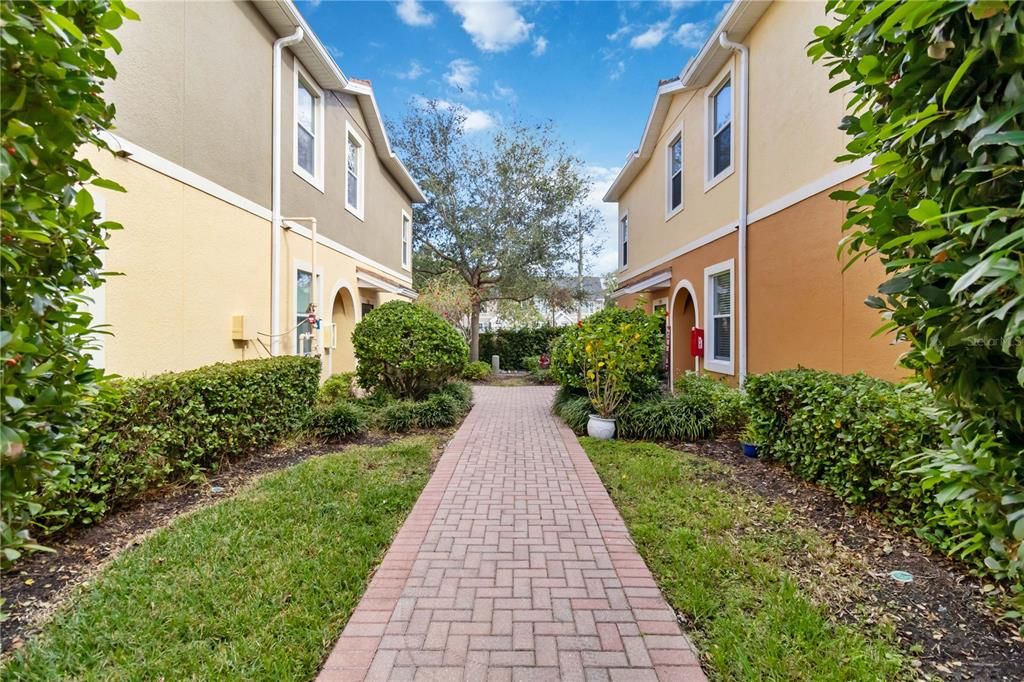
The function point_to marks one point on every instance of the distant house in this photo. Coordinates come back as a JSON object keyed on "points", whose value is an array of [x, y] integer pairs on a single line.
{"points": [[224, 174], [725, 220], [574, 307]]}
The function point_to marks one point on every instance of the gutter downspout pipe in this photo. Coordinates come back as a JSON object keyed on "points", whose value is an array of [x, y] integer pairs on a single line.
{"points": [[723, 39], [275, 196]]}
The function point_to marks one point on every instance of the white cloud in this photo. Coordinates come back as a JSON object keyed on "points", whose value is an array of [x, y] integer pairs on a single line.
{"points": [[617, 71], [503, 93], [462, 74], [540, 46], [690, 34], [414, 71], [652, 37], [494, 26], [607, 258], [412, 13], [620, 32], [335, 51], [476, 119]]}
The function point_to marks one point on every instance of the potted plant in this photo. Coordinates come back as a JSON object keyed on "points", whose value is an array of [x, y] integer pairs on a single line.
{"points": [[610, 353], [748, 439]]}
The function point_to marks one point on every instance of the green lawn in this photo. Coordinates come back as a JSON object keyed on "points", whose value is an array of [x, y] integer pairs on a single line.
{"points": [[257, 587], [720, 555]]}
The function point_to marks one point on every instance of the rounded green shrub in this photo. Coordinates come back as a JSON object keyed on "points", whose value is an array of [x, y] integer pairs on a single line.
{"points": [[476, 371], [438, 411], [337, 387], [398, 416], [461, 392], [339, 420], [728, 407], [407, 350]]}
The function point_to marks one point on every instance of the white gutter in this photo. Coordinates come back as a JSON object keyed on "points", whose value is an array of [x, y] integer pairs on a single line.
{"points": [[741, 260], [275, 196]]}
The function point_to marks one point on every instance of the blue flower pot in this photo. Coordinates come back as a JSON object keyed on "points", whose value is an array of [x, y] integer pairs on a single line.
{"points": [[749, 449]]}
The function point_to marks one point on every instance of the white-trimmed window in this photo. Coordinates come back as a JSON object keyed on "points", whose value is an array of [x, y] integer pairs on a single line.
{"points": [[308, 140], [719, 140], [355, 166], [718, 318], [674, 175], [303, 297], [406, 241], [624, 240]]}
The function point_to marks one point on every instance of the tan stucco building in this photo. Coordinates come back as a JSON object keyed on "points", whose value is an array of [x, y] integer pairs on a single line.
{"points": [[217, 253], [729, 193]]}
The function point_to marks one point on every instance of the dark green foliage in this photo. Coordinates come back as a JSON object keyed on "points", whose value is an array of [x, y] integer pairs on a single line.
{"points": [[727, 405], [337, 387], [938, 104], [681, 419], [339, 420], [54, 63], [461, 392], [568, 352], [407, 350], [477, 371], [153, 431], [573, 407], [516, 345], [438, 411], [398, 416], [538, 374]]}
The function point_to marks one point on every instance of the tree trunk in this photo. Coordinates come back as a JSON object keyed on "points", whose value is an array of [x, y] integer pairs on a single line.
{"points": [[474, 331]]}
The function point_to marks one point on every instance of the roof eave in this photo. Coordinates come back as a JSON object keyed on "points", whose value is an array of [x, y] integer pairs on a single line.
{"points": [[283, 16]]}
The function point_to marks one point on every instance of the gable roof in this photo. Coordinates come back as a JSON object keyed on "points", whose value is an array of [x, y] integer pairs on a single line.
{"points": [[698, 72], [284, 17]]}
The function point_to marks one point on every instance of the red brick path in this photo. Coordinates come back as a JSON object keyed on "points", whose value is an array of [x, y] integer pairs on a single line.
{"points": [[514, 564]]}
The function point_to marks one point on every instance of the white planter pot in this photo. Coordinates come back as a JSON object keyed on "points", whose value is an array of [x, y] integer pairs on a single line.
{"points": [[600, 428]]}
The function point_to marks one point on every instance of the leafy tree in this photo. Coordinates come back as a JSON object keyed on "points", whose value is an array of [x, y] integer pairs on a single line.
{"points": [[54, 62], [448, 295], [937, 100], [498, 212]]}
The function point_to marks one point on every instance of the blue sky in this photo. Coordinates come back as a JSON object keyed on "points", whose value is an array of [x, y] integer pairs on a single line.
{"points": [[591, 67]]}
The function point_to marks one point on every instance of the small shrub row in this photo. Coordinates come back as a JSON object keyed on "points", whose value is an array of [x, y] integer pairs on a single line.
{"points": [[477, 371], [728, 407], [515, 345], [573, 407], [337, 387], [350, 418], [340, 420], [152, 431], [679, 419]]}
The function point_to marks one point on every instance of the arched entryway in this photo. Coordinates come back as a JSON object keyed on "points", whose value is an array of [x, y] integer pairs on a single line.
{"points": [[683, 316], [344, 316]]}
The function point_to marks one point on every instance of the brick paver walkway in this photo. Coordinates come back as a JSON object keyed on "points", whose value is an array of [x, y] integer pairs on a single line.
{"points": [[514, 564]]}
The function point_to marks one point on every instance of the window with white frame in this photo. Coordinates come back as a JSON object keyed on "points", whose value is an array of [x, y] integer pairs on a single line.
{"points": [[674, 190], [624, 239], [354, 170], [721, 129], [303, 297], [309, 129], [719, 318], [406, 239]]}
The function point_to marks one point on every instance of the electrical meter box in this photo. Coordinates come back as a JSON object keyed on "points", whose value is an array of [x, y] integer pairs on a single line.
{"points": [[240, 328]]}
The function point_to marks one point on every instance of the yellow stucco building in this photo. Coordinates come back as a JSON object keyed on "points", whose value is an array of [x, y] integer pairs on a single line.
{"points": [[725, 220], [234, 129]]}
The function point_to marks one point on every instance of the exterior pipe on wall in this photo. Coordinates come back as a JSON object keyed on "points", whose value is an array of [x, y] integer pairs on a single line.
{"points": [[275, 196], [741, 259]]}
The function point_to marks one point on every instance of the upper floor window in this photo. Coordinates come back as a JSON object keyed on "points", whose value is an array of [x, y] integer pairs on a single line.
{"points": [[354, 169], [406, 239], [721, 129], [719, 295], [675, 174], [624, 239], [309, 119]]}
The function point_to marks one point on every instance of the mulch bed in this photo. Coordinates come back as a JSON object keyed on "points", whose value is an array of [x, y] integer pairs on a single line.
{"points": [[40, 583], [941, 618]]}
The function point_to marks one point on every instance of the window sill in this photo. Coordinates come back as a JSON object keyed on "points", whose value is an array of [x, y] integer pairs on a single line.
{"points": [[673, 212], [719, 367], [317, 183], [353, 211], [710, 184]]}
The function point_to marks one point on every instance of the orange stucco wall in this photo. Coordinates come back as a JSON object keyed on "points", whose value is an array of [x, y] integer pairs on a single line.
{"points": [[802, 308]]}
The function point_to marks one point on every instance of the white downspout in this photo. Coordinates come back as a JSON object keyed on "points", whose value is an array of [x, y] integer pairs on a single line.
{"points": [[275, 196], [723, 39]]}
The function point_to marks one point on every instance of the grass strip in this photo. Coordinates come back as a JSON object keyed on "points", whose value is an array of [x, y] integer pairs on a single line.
{"points": [[257, 587], [723, 557]]}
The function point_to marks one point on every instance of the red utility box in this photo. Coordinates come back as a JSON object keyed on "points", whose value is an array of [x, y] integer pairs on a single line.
{"points": [[697, 342]]}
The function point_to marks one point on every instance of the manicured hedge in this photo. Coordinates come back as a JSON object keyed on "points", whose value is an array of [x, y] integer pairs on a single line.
{"points": [[515, 345], [152, 431], [727, 404]]}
